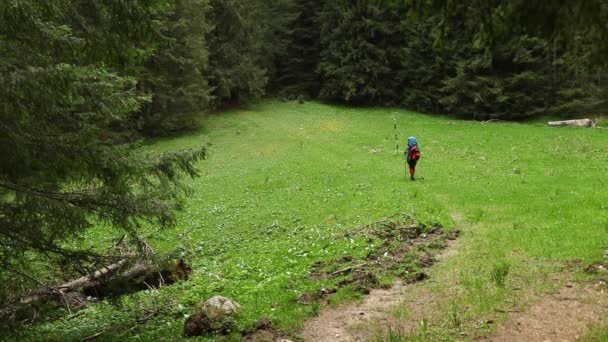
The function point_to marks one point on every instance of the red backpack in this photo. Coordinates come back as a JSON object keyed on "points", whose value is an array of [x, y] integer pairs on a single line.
{"points": [[414, 153]]}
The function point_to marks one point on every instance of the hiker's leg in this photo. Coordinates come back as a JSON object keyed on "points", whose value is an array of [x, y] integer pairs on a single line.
{"points": [[413, 169], [411, 164]]}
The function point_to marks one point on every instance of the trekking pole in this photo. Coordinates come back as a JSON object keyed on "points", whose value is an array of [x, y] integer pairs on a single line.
{"points": [[395, 124], [397, 140], [405, 165]]}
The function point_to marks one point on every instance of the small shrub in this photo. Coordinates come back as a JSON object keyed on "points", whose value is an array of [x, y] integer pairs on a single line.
{"points": [[394, 336], [454, 316], [476, 215], [499, 273]]}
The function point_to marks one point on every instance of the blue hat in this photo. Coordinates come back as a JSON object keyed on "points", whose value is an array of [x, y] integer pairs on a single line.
{"points": [[411, 141]]}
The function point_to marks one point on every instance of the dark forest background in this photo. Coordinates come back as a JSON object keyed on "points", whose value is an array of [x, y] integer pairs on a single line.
{"points": [[476, 59]]}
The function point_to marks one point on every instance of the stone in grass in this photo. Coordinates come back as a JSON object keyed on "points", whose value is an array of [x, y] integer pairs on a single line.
{"points": [[213, 318], [222, 306]]}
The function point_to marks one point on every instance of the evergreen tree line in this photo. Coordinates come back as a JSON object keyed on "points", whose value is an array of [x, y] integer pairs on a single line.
{"points": [[209, 54], [474, 59]]}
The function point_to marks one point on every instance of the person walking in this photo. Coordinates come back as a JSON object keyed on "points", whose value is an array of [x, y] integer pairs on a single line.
{"points": [[412, 154]]}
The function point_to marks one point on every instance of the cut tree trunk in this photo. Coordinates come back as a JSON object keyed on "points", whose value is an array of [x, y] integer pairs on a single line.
{"points": [[142, 272], [573, 123]]}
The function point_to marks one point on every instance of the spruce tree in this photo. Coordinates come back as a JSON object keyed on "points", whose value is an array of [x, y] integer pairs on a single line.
{"points": [[235, 70], [66, 88], [297, 72], [176, 76], [360, 44]]}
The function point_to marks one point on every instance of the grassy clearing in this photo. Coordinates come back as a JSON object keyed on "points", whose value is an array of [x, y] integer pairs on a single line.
{"points": [[283, 179]]}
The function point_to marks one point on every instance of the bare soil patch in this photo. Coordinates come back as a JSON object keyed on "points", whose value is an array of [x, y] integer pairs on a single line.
{"points": [[406, 251], [265, 331], [566, 315], [333, 324]]}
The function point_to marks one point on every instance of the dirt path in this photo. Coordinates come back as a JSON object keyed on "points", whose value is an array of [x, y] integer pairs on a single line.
{"points": [[339, 324], [333, 324], [564, 316]]}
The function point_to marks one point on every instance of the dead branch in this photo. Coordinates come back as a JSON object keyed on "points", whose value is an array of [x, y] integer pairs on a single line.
{"points": [[387, 220], [88, 338], [348, 269]]}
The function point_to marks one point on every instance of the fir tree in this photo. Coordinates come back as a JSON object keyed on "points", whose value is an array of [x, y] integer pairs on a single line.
{"points": [[297, 72], [235, 70], [66, 86], [176, 75], [360, 49]]}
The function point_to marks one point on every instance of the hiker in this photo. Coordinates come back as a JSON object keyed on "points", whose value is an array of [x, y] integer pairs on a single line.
{"points": [[412, 153]]}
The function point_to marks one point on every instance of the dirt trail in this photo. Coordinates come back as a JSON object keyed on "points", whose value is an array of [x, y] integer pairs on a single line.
{"points": [[339, 324], [332, 324], [564, 316]]}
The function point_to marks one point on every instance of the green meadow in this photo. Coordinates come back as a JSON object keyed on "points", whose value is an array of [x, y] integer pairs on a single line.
{"points": [[284, 181]]}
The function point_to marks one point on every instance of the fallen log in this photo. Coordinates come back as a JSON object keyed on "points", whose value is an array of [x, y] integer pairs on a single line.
{"points": [[142, 274], [83, 282], [348, 269], [58, 292], [573, 123]]}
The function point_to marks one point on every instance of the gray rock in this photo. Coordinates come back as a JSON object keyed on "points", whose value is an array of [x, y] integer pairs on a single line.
{"points": [[221, 304]]}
